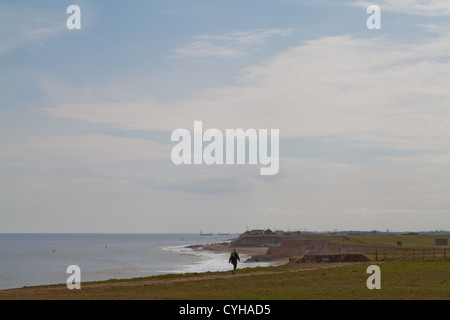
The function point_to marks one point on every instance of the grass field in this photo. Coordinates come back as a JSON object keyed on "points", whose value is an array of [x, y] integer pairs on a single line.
{"points": [[408, 241], [399, 280]]}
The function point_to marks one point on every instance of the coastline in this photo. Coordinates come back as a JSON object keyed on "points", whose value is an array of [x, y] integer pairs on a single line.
{"points": [[281, 280], [247, 253], [250, 251]]}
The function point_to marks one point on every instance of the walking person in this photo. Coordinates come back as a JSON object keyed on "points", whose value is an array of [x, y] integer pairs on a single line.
{"points": [[234, 257]]}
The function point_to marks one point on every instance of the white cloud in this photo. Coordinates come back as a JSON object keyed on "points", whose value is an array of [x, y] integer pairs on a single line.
{"points": [[371, 92], [308, 193], [90, 149], [250, 37], [412, 7], [22, 25], [204, 49], [375, 91], [140, 162], [227, 45], [320, 195]]}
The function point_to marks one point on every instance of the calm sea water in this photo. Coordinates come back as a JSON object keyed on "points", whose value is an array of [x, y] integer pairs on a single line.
{"points": [[37, 259]]}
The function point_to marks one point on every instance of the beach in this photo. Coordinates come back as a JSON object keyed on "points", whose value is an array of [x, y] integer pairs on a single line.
{"points": [[250, 252]]}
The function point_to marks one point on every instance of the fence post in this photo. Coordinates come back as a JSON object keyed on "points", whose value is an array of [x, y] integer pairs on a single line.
{"points": [[433, 253], [413, 254], [423, 254], [376, 254], [445, 249]]}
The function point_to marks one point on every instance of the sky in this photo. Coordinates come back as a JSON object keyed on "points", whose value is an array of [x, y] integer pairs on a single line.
{"points": [[86, 115]]}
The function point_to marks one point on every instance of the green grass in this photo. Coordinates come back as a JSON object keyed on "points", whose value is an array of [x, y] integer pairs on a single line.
{"points": [[408, 241], [399, 280]]}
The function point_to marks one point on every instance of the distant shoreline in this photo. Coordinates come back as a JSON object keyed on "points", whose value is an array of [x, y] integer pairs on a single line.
{"points": [[217, 247], [250, 251], [42, 259]]}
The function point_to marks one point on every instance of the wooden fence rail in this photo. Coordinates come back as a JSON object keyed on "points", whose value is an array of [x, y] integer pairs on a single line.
{"points": [[409, 254]]}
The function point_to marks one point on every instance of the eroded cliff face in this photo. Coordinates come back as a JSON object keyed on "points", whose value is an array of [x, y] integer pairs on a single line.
{"points": [[287, 248], [291, 248], [257, 240], [280, 247]]}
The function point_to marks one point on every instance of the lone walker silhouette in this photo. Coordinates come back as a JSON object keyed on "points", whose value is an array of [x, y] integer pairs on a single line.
{"points": [[234, 257]]}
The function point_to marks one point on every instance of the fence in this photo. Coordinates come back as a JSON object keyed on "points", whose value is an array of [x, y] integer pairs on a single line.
{"points": [[409, 254]]}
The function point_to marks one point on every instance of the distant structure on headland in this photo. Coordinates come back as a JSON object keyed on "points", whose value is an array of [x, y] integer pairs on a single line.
{"points": [[210, 234], [335, 232], [266, 232]]}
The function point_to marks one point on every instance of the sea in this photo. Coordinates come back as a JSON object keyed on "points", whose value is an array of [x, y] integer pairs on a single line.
{"points": [[40, 259]]}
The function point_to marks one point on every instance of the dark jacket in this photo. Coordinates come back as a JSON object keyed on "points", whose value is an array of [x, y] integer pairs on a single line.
{"points": [[234, 257]]}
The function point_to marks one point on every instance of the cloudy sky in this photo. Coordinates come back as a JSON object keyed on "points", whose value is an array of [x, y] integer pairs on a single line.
{"points": [[86, 115]]}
